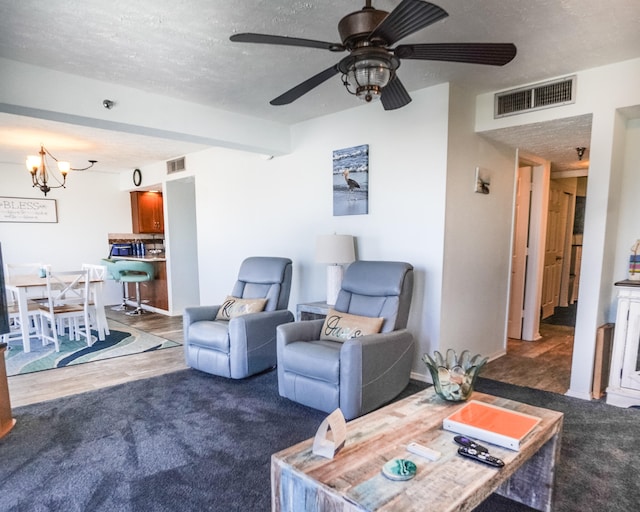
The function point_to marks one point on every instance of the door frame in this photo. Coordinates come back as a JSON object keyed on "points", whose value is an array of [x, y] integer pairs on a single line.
{"points": [[520, 243], [540, 177]]}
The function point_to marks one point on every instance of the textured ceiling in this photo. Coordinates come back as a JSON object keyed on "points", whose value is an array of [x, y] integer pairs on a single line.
{"points": [[182, 49]]}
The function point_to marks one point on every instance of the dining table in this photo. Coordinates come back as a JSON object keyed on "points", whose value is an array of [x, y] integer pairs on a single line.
{"points": [[20, 285]]}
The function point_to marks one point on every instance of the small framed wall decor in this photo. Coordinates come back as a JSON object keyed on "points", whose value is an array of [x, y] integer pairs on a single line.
{"points": [[483, 181], [351, 181], [28, 209]]}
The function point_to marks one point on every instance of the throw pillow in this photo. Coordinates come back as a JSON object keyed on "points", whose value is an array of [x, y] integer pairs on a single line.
{"points": [[341, 327], [233, 307]]}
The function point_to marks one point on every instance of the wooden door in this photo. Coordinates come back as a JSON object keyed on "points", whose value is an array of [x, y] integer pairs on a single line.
{"points": [[554, 248], [519, 252]]}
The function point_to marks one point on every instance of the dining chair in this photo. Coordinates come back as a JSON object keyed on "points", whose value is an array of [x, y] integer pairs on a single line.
{"points": [[15, 331], [97, 316], [32, 269], [67, 299]]}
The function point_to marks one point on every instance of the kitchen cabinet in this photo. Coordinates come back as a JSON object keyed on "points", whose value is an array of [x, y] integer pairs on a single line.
{"points": [[624, 377], [155, 293], [147, 215]]}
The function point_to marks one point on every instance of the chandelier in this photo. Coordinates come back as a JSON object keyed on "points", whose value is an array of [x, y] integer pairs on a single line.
{"points": [[41, 174]]}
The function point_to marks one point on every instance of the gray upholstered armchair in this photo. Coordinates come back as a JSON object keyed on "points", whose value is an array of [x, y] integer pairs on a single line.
{"points": [[361, 373], [241, 345]]}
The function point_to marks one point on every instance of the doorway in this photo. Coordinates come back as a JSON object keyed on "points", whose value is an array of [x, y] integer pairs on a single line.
{"points": [[560, 287], [540, 347]]}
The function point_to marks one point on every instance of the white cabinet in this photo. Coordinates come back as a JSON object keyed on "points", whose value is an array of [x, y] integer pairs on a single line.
{"points": [[624, 379]]}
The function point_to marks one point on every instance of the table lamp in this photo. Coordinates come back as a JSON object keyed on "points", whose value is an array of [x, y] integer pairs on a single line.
{"points": [[336, 250]]}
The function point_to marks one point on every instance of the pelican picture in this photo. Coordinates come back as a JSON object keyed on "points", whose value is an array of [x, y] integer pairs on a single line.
{"points": [[351, 181]]}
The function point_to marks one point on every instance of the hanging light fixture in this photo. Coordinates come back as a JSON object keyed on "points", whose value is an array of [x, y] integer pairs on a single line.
{"points": [[41, 175], [367, 71]]}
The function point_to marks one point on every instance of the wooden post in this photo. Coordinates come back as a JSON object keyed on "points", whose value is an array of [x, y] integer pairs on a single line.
{"points": [[602, 363], [6, 420]]}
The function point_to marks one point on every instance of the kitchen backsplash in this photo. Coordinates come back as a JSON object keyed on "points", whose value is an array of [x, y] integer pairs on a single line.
{"points": [[151, 242]]}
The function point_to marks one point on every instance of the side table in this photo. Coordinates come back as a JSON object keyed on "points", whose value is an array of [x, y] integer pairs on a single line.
{"points": [[312, 310]]}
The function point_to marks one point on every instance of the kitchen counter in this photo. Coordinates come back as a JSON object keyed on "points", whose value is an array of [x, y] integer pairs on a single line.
{"points": [[150, 258], [154, 293]]}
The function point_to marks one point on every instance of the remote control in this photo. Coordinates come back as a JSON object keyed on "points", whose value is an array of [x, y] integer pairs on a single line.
{"points": [[424, 451], [483, 457], [469, 443]]}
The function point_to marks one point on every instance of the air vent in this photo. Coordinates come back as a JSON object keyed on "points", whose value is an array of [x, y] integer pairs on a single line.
{"points": [[535, 97], [176, 165]]}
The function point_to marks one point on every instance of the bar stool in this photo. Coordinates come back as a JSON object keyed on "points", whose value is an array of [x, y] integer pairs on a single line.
{"points": [[115, 275], [135, 272]]}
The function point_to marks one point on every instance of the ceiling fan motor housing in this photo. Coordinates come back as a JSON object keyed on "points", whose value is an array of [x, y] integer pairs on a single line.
{"points": [[354, 28]]}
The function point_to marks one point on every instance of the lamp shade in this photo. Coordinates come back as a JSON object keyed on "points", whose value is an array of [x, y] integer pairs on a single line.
{"points": [[335, 249]]}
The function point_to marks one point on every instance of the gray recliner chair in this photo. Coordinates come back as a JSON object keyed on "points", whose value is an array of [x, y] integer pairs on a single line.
{"points": [[243, 345], [361, 373]]}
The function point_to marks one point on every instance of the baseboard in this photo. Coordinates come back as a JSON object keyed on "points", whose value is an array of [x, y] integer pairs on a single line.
{"points": [[421, 377], [578, 394]]}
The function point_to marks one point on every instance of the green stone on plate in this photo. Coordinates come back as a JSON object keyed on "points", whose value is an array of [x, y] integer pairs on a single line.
{"points": [[399, 469]]}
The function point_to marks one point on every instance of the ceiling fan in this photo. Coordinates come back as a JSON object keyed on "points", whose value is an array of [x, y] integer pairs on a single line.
{"points": [[369, 71]]}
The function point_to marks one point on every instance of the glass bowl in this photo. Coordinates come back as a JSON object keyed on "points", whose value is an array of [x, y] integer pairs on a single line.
{"points": [[454, 377]]}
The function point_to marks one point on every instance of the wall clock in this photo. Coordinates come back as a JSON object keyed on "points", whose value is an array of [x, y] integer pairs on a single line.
{"points": [[137, 177]]}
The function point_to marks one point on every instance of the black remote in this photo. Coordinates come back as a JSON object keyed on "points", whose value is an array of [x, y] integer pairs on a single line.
{"points": [[483, 457], [469, 443]]}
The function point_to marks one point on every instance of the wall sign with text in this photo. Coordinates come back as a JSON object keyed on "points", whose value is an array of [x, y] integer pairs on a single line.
{"points": [[27, 209]]}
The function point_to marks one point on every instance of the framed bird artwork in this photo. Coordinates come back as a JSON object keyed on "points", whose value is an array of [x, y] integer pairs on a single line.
{"points": [[351, 181]]}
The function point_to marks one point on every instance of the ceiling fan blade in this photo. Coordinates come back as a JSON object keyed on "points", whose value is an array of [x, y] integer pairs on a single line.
{"points": [[493, 54], [286, 41], [394, 95], [409, 17], [303, 88]]}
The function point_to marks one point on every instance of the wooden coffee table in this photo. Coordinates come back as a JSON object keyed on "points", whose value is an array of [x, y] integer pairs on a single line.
{"points": [[352, 480]]}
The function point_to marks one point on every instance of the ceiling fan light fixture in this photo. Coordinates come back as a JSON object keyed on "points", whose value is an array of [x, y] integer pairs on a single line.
{"points": [[367, 71], [368, 77]]}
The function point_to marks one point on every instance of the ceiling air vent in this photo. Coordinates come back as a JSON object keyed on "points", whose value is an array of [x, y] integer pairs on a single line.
{"points": [[535, 97], [176, 165]]}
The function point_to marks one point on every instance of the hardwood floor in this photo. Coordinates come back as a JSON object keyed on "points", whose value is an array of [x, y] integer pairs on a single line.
{"points": [[544, 364], [40, 386]]}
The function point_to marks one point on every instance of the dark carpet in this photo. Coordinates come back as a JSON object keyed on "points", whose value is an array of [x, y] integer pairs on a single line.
{"points": [[194, 442], [563, 316]]}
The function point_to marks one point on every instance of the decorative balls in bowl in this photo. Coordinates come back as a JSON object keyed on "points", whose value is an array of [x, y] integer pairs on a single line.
{"points": [[454, 376]]}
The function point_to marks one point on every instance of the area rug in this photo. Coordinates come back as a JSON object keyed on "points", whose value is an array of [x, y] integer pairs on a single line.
{"points": [[190, 441], [123, 340]]}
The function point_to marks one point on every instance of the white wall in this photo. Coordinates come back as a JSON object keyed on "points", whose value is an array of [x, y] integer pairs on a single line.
{"points": [[88, 208], [181, 243], [478, 236]]}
